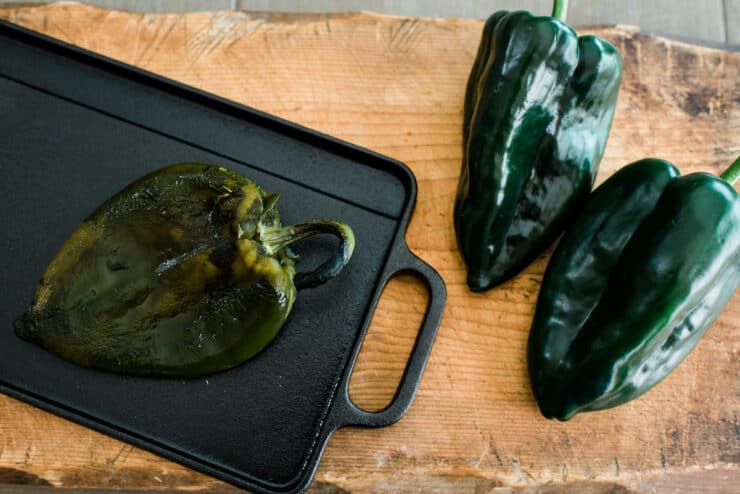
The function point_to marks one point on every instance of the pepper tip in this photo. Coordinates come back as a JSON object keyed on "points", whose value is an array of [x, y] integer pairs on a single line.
{"points": [[25, 327], [478, 283]]}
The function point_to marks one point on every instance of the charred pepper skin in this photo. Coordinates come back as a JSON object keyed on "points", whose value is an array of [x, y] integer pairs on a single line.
{"points": [[645, 268], [184, 273], [538, 108]]}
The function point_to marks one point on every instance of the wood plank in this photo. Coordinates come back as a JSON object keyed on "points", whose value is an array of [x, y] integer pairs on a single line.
{"points": [[396, 85]]}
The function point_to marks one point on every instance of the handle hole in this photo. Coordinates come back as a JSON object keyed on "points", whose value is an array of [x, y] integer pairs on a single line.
{"points": [[388, 342]]}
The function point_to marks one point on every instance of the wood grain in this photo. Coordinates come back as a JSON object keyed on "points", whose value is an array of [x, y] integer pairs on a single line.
{"points": [[395, 85]]}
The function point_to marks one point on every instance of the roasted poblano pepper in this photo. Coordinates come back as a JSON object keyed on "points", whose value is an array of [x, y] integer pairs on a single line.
{"points": [[646, 266], [183, 273], [538, 109]]}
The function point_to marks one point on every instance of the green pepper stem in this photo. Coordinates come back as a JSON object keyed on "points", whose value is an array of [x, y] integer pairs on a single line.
{"points": [[276, 239], [732, 173], [560, 9]]}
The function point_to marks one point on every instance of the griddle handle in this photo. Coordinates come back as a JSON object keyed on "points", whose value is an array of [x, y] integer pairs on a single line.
{"points": [[349, 414]]}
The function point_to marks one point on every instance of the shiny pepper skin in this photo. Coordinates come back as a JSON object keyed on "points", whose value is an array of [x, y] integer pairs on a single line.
{"points": [[183, 273], [646, 266], [538, 109]]}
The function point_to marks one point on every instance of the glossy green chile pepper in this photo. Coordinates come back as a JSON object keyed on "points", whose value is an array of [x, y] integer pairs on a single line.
{"points": [[538, 109], [183, 273], [647, 265]]}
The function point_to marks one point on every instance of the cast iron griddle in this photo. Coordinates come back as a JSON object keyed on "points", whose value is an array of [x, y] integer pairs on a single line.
{"points": [[74, 129]]}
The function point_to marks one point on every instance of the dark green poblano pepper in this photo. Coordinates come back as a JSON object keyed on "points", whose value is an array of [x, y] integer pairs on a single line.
{"points": [[538, 109], [183, 273], [647, 265]]}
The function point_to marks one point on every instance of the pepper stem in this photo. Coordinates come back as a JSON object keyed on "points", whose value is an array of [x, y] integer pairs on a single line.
{"points": [[560, 9], [732, 173], [275, 239]]}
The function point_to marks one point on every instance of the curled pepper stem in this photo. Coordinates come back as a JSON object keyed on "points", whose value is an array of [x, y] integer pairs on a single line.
{"points": [[560, 9], [275, 239], [732, 173]]}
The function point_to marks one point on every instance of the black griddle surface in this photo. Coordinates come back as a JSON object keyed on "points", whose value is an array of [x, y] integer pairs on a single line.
{"points": [[74, 129]]}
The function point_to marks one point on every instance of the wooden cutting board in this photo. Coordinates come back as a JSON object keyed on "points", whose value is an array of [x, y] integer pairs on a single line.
{"points": [[395, 85]]}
